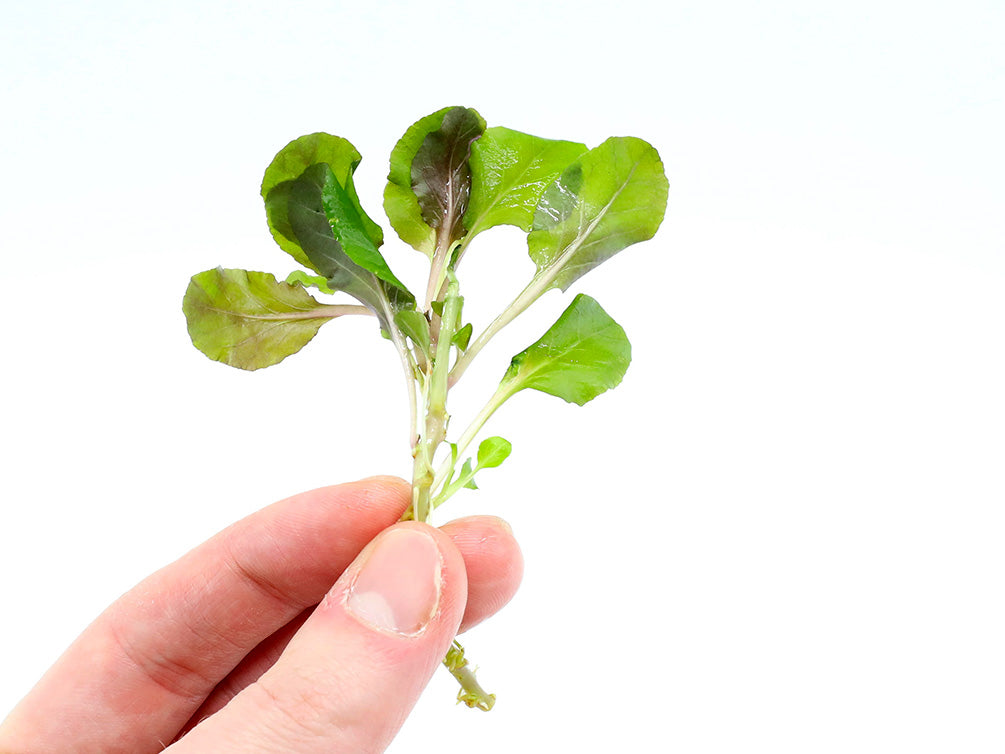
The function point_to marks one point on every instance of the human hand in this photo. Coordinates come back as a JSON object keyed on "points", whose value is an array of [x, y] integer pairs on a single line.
{"points": [[244, 644]]}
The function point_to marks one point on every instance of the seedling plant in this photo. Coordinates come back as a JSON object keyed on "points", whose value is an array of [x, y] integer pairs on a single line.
{"points": [[451, 179]]}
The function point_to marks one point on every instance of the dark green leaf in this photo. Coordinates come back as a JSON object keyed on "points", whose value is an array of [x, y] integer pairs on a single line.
{"points": [[302, 203], [583, 354], [493, 451], [249, 319], [400, 201], [346, 221], [611, 197], [277, 205], [299, 277], [441, 176], [341, 156], [463, 336], [510, 170]]}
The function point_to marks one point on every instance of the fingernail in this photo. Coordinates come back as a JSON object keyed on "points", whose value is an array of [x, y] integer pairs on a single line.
{"points": [[398, 586]]}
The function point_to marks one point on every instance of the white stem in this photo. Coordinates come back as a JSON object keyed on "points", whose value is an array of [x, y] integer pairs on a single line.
{"points": [[437, 274], [408, 365]]}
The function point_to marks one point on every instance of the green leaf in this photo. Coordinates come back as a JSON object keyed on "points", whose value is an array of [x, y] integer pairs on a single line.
{"points": [[468, 474], [337, 248], [582, 355], [493, 451], [463, 336], [400, 201], [441, 176], [299, 277], [300, 202], [346, 220], [510, 171], [249, 319], [415, 326], [611, 197], [340, 155]]}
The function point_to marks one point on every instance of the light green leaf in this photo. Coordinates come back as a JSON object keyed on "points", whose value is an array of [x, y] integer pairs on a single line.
{"points": [[611, 197], [299, 277], [463, 336], [468, 475], [340, 155], [414, 326], [492, 451], [582, 355], [249, 319], [509, 172], [400, 201]]}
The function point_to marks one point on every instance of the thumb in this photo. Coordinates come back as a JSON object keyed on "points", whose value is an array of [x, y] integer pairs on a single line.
{"points": [[352, 673]]}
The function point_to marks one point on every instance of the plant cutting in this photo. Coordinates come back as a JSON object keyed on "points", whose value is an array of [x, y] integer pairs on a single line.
{"points": [[451, 179]]}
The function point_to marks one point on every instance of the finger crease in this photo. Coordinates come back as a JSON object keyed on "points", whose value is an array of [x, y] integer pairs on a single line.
{"points": [[262, 584], [171, 674]]}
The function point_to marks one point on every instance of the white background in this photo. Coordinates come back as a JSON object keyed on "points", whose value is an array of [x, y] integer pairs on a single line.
{"points": [[782, 533]]}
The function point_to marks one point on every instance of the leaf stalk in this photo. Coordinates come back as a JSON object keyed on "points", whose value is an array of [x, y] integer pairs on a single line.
{"points": [[531, 293]]}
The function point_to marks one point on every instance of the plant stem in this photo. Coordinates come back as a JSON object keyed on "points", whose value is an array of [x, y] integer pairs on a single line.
{"points": [[438, 270], [500, 396], [471, 693], [432, 434], [444, 343], [435, 418]]}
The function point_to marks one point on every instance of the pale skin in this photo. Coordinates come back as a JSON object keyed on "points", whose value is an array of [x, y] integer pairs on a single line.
{"points": [[292, 630]]}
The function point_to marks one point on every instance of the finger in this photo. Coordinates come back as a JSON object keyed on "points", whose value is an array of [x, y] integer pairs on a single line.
{"points": [[249, 670], [494, 567], [139, 672], [493, 562], [352, 673]]}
